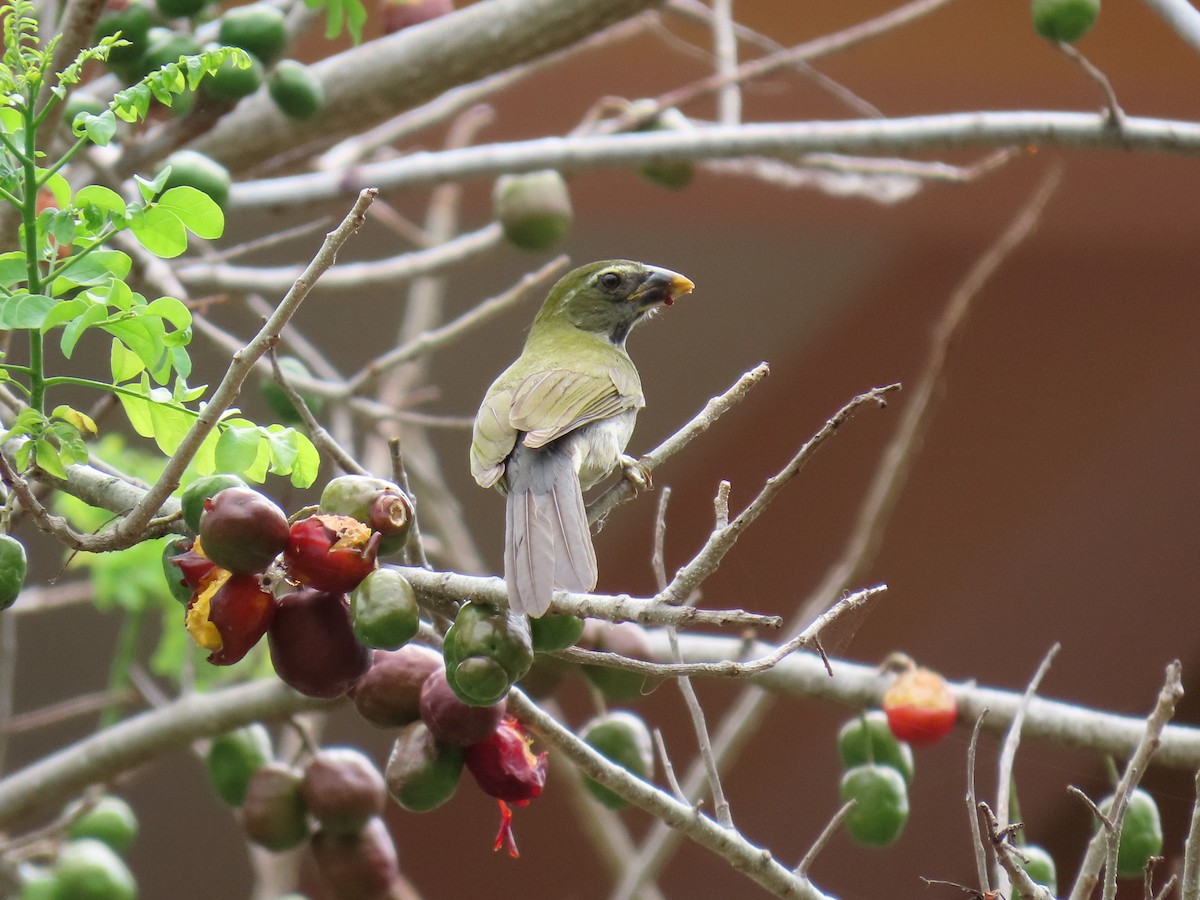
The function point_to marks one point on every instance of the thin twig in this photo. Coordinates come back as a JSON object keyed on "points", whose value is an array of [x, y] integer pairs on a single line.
{"points": [[1009, 858], [56, 713], [981, 866], [321, 438], [1190, 889], [823, 838], [715, 408], [754, 862], [1012, 741], [1115, 114], [729, 95], [721, 540], [414, 546], [1156, 722], [668, 769]]}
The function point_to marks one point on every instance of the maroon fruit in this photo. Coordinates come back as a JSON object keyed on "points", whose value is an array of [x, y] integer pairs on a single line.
{"points": [[389, 695], [273, 812], [242, 531], [451, 720], [504, 766], [330, 553], [358, 865], [343, 789], [191, 562], [312, 645], [228, 614]]}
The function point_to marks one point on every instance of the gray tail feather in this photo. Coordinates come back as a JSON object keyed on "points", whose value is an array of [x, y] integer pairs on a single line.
{"points": [[547, 541]]}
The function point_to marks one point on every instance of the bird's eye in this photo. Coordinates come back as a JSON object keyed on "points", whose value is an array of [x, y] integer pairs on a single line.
{"points": [[610, 281]]}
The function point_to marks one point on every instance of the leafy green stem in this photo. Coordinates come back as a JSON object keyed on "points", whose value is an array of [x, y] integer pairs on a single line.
{"points": [[37, 386]]}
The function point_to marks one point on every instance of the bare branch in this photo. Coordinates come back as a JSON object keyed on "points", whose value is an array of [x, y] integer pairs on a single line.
{"points": [[1151, 738], [753, 862], [1181, 16], [981, 866], [715, 408]]}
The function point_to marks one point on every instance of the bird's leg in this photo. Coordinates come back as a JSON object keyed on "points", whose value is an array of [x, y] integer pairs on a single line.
{"points": [[636, 472]]}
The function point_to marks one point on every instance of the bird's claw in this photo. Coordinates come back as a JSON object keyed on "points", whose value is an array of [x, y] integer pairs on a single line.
{"points": [[637, 473]]}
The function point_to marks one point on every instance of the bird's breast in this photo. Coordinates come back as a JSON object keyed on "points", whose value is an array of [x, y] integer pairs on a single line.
{"points": [[598, 446]]}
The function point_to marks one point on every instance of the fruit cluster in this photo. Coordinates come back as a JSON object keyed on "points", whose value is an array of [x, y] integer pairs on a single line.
{"points": [[88, 863], [877, 759], [334, 603]]}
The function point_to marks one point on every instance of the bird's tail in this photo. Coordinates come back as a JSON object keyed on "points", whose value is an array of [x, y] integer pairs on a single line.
{"points": [[547, 542]]}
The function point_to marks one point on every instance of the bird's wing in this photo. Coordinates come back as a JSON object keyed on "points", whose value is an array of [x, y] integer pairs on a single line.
{"points": [[552, 403], [492, 438]]}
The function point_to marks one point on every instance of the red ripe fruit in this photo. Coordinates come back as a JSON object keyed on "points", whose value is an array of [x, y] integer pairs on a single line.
{"points": [[192, 564], [242, 531], [313, 647], [451, 720], [330, 553], [920, 707], [359, 865], [389, 695], [228, 614], [504, 766]]}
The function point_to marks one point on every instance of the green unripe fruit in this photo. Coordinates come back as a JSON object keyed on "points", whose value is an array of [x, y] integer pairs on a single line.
{"points": [[881, 804], [295, 91], [384, 611], [88, 869], [37, 883], [624, 739], [486, 651], [550, 633], [534, 209], [231, 82], [234, 757], [674, 175], [379, 504], [421, 772], [201, 172], [1039, 866], [133, 23], [1064, 20], [110, 820], [259, 30], [180, 9], [884, 749], [14, 566], [1141, 833], [281, 406], [193, 496]]}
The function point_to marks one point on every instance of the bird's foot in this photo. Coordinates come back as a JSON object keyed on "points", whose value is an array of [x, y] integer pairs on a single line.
{"points": [[636, 473]]}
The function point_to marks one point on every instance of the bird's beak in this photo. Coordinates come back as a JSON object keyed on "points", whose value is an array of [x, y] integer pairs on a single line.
{"points": [[661, 286]]}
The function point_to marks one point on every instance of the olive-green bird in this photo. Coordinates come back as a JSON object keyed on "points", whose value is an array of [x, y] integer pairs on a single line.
{"points": [[557, 421]]}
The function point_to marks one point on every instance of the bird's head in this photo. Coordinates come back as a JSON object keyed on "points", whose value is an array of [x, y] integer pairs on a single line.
{"points": [[611, 297]]}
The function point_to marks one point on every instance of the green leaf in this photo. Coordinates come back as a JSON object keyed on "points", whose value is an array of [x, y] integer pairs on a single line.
{"points": [[159, 230], [173, 311], [57, 185], [308, 462], [237, 448], [65, 311], [171, 422], [74, 331], [71, 448], [100, 267], [137, 408], [124, 362], [282, 448], [197, 211], [24, 310], [351, 12], [99, 128], [148, 189], [12, 268], [98, 196], [47, 458]]}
